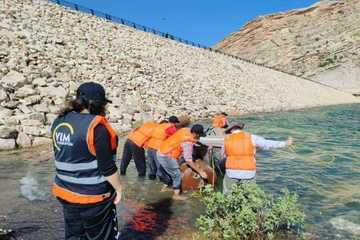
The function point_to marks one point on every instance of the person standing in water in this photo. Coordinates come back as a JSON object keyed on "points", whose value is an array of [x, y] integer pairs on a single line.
{"points": [[161, 132], [87, 181], [238, 152], [219, 124], [179, 144], [134, 148], [220, 120]]}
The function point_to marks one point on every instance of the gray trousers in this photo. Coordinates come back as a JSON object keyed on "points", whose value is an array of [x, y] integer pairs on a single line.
{"points": [[229, 182], [172, 168]]}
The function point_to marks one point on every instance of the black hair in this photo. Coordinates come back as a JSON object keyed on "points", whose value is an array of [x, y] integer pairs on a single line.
{"points": [[80, 103], [235, 127], [163, 121]]}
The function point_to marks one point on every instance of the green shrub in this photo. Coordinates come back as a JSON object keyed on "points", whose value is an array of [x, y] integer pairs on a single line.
{"points": [[248, 213]]}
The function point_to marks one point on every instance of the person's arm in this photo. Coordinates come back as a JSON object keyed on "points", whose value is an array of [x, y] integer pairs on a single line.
{"points": [[187, 148], [106, 164], [268, 144], [114, 180]]}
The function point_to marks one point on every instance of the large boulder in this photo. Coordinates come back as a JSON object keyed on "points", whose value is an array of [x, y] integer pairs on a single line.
{"points": [[51, 91], [7, 144], [10, 104], [31, 122], [35, 131], [40, 141], [23, 140], [25, 91], [24, 109], [5, 113], [42, 107], [38, 116], [8, 133], [8, 34], [3, 95], [13, 80], [40, 82], [32, 100]]}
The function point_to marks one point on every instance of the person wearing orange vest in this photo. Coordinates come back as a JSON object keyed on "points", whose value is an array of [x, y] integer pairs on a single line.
{"points": [[134, 148], [219, 124], [179, 144], [220, 121], [161, 132], [87, 181], [239, 150]]}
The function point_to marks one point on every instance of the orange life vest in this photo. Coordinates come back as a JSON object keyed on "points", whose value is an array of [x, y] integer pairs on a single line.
{"points": [[158, 136], [172, 145], [240, 152], [219, 121], [90, 136], [140, 135]]}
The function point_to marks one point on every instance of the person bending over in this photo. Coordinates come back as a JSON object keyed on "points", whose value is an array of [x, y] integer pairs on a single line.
{"points": [[134, 148], [179, 144]]}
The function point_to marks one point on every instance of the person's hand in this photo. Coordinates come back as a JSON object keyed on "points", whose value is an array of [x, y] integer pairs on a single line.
{"points": [[203, 174], [289, 141], [118, 197]]}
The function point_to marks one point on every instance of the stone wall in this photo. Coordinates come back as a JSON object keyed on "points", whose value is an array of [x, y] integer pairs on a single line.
{"points": [[46, 51]]}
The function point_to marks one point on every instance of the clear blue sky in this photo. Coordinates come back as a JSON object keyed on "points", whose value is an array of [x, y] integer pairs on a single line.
{"points": [[205, 22]]}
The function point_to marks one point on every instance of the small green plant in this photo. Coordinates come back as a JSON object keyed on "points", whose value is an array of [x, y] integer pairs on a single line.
{"points": [[328, 61], [248, 213]]}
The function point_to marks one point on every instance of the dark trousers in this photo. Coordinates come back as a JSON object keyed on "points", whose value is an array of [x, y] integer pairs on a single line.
{"points": [[91, 222], [131, 150]]}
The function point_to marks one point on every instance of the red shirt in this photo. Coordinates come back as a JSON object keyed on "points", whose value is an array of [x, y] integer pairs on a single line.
{"points": [[170, 130]]}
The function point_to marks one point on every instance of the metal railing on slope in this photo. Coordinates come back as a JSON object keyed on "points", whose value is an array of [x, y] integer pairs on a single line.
{"points": [[140, 27]]}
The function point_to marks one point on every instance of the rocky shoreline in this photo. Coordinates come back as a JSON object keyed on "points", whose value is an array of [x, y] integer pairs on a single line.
{"points": [[46, 51]]}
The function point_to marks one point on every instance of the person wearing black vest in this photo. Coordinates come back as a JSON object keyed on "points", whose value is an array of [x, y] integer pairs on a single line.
{"points": [[87, 181]]}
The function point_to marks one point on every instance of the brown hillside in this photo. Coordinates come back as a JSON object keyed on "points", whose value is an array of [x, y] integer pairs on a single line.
{"points": [[321, 42]]}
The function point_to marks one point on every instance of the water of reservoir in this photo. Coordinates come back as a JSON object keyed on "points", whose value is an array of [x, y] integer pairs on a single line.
{"points": [[324, 169]]}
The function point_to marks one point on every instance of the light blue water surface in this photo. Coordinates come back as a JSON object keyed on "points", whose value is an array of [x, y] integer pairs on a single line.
{"points": [[323, 169]]}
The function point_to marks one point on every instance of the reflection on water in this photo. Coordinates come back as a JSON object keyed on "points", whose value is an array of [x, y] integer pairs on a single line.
{"points": [[323, 168], [147, 221], [31, 190]]}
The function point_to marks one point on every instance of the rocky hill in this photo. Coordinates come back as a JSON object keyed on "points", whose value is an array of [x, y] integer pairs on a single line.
{"points": [[321, 42], [46, 51]]}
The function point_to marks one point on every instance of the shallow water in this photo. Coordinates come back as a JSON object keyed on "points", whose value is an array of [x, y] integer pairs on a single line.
{"points": [[323, 168]]}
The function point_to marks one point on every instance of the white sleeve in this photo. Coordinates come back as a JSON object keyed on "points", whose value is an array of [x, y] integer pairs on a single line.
{"points": [[266, 144]]}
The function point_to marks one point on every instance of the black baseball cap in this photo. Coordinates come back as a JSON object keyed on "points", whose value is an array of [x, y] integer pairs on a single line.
{"points": [[198, 129], [92, 91], [173, 119]]}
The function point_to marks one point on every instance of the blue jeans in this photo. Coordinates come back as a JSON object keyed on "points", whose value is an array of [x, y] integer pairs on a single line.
{"points": [[171, 167], [153, 164]]}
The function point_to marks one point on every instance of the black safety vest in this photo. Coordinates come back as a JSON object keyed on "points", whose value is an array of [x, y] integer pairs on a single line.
{"points": [[76, 166]]}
